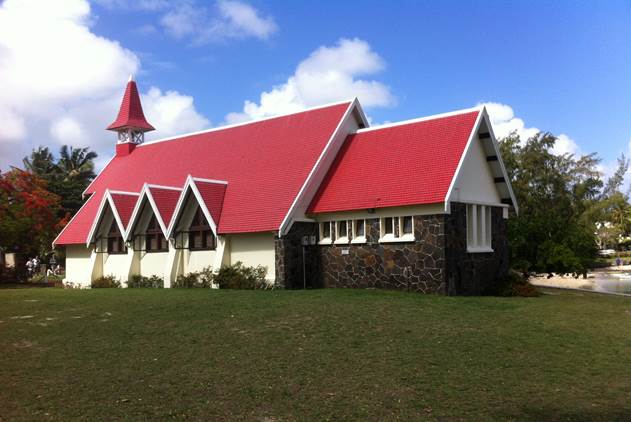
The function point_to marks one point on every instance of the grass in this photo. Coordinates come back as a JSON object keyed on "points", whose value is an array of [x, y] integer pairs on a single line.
{"points": [[311, 355]]}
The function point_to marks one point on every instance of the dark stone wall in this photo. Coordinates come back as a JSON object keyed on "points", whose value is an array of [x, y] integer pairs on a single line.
{"points": [[412, 266], [473, 273], [289, 258], [437, 260]]}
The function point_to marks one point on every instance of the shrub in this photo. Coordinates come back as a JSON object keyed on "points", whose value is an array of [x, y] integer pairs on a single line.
{"points": [[108, 281], [138, 281], [238, 276], [516, 284], [188, 281]]}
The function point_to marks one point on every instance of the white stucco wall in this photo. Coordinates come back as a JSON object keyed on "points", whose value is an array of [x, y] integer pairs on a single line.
{"points": [[151, 264], [253, 249], [475, 182], [198, 260], [79, 264], [116, 265]]}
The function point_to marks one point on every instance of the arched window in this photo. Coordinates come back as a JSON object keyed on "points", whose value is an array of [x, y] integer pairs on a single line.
{"points": [[155, 240], [115, 242], [200, 234]]}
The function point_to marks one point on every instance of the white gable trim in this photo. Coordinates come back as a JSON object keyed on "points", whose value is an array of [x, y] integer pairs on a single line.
{"points": [[473, 135], [327, 150], [179, 207], [146, 192], [107, 199]]}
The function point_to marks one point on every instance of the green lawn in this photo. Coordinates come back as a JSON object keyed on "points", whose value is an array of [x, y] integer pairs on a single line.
{"points": [[311, 355]]}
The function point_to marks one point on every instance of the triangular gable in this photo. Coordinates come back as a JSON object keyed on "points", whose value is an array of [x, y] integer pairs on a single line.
{"points": [[122, 205], [483, 131], [208, 193], [162, 199]]}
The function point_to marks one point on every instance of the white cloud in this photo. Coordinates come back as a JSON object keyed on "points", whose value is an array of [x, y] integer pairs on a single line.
{"points": [[329, 74], [172, 112], [504, 122], [231, 19], [61, 83]]}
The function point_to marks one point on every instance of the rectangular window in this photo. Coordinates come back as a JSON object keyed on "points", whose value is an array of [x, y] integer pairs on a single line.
{"points": [[341, 231], [325, 233], [478, 228], [406, 225], [397, 229], [359, 231]]}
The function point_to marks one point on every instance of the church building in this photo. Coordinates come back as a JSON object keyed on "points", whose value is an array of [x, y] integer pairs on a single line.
{"points": [[318, 197]]}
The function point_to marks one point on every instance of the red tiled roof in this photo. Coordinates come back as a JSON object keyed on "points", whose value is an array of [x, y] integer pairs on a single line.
{"points": [[130, 113], [265, 164], [213, 195], [166, 200], [124, 204], [403, 164]]}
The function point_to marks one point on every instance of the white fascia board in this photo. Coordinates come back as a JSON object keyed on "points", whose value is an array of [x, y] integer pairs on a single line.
{"points": [[472, 136], [288, 219], [219, 182], [249, 122], [135, 213], [179, 207], [496, 147]]}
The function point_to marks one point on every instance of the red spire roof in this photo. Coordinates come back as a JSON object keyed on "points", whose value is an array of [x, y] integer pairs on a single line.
{"points": [[130, 113]]}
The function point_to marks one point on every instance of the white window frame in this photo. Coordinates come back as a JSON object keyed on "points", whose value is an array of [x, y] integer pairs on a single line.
{"points": [[406, 237], [478, 224], [341, 239], [355, 238], [326, 240], [394, 236]]}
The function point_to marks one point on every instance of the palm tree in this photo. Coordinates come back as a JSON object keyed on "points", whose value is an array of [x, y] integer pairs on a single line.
{"points": [[76, 164]]}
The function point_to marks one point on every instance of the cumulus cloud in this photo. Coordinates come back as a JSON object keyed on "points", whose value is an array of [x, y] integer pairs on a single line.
{"points": [[230, 19], [62, 84], [330, 73], [504, 122]]}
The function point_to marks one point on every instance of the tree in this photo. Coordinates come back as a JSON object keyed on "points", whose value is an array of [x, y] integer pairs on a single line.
{"points": [[554, 193], [28, 213], [68, 177]]}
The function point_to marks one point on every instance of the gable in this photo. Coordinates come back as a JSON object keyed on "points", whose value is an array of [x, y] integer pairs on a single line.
{"points": [[475, 182]]}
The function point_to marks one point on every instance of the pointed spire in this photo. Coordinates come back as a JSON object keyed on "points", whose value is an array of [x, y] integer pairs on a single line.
{"points": [[130, 115]]}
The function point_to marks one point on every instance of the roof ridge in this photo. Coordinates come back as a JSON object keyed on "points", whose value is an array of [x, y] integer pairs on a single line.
{"points": [[420, 119], [249, 122]]}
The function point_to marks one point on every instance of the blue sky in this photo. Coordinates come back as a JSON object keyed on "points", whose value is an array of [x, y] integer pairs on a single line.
{"points": [[559, 66]]}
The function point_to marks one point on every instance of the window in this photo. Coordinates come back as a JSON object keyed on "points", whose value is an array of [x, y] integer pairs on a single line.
{"points": [[115, 243], [325, 233], [200, 235], [397, 229], [341, 233], [359, 231], [406, 225], [478, 228], [155, 240]]}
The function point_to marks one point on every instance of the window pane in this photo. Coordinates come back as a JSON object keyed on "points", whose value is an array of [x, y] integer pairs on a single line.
{"points": [[196, 240], [480, 225], [326, 230], [359, 228], [407, 225], [154, 242], [388, 229], [470, 223], [341, 229], [488, 227], [209, 240]]}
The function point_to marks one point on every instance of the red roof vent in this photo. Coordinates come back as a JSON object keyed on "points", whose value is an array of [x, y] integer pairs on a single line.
{"points": [[130, 114]]}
